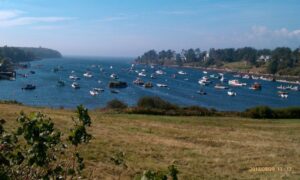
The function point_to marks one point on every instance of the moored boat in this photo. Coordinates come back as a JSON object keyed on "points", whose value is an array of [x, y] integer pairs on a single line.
{"points": [[236, 82], [29, 87], [231, 93], [161, 85], [138, 81], [75, 85], [283, 94], [148, 85], [256, 86], [220, 86]]}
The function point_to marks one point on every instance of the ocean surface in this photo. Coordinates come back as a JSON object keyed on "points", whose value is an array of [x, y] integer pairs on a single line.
{"points": [[181, 90]]}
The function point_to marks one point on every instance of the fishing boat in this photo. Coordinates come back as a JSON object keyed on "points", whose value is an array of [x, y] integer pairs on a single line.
{"points": [[29, 87], [138, 81], [231, 93], [93, 93], [148, 85], [88, 75], [236, 82], [256, 86], [114, 76], [161, 85], [283, 94], [75, 85], [182, 73], [220, 86]]}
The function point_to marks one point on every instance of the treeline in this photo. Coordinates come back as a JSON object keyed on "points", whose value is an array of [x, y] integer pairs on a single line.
{"points": [[21, 54], [158, 106], [279, 60]]}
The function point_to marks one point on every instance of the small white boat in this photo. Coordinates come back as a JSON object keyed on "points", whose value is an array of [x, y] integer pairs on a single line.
{"points": [[236, 82], [246, 76], [88, 74], [203, 82], [111, 67], [114, 76], [142, 74], [182, 73], [73, 77], [94, 93], [161, 85], [159, 72], [153, 76], [222, 79], [237, 76], [75, 85], [204, 72], [138, 81], [283, 94], [231, 93], [219, 86], [255, 77]]}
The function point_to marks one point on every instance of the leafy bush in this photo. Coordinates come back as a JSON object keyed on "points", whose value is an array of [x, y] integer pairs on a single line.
{"points": [[155, 103], [260, 112], [116, 104], [36, 149]]}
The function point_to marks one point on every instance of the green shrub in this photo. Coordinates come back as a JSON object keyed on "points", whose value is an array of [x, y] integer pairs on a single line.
{"points": [[155, 103], [116, 104], [260, 112]]}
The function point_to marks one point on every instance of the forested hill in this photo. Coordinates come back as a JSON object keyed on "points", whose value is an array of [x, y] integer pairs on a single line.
{"points": [[279, 61], [42, 52], [22, 54]]}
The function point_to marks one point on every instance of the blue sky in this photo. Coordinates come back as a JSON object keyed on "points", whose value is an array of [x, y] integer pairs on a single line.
{"points": [[130, 27]]}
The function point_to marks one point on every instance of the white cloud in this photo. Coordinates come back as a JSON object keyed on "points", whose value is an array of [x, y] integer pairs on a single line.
{"points": [[11, 18], [114, 18]]}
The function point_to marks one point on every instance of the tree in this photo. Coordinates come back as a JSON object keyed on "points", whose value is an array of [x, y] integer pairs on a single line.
{"points": [[36, 149]]}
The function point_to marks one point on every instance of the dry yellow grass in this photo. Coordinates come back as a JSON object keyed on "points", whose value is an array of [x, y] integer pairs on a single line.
{"points": [[201, 147]]}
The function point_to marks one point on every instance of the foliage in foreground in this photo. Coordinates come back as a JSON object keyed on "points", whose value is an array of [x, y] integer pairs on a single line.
{"points": [[158, 106], [36, 150]]}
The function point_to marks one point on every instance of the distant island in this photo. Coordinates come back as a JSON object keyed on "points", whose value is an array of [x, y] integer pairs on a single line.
{"points": [[12, 57], [281, 61]]}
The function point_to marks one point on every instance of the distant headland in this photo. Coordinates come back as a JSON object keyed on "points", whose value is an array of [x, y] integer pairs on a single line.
{"points": [[11, 57]]}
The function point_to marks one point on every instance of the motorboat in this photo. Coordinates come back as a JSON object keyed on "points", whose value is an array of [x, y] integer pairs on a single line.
{"points": [[182, 73], [220, 86], [74, 77], [204, 72], [256, 86], [246, 76], [75, 85], [148, 85], [283, 94], [114, 91], [161, 85], [153, 76], [94, 93], [142, 74], [138, 81], [98, 89], [88, 75], [114, 76], [204, 81], [159, 72], [231, 93], [29, 87], [236, 82]]}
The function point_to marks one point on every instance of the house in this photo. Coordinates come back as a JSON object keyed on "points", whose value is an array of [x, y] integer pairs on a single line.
{"points": [[264, 58]]}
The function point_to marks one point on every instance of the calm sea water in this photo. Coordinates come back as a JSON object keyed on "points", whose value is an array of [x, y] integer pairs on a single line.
{"points": [[179, 91]]}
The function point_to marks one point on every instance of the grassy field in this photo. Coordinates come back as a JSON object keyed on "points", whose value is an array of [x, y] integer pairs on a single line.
{"points": [[201, 147]]}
